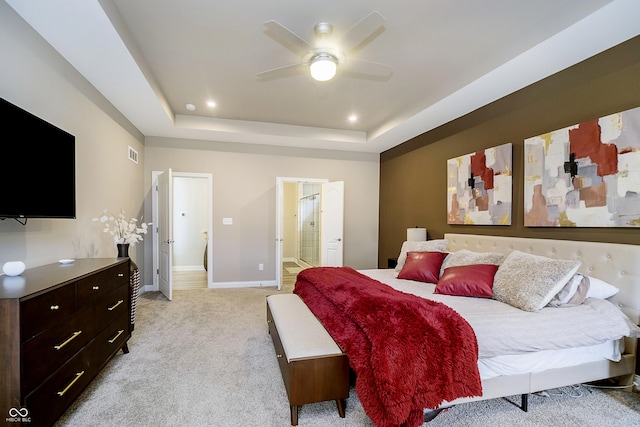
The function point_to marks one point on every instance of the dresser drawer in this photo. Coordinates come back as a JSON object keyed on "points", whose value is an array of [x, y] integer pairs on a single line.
{"points": [[46, 310], [118, 275], [50, 400], [46, 352], [110, 340], [111, 306], [90, 289]]}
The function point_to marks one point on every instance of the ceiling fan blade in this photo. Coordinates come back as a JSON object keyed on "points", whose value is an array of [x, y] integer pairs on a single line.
{"points": [[362, 32], [287, 38], [366, 70], [282, 72]]}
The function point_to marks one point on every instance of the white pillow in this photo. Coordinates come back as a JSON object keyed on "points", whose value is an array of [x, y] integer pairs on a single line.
{"points": [[438, 245], [529, 282], [600, 289]]}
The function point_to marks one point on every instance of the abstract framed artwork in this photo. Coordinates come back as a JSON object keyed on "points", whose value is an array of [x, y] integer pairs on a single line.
{"points": [[479, 187], [586, 175]]}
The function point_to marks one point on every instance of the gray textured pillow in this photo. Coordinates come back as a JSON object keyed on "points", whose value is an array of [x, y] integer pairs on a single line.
{"points": [[529, 282], [438, 245], [467, 257]]}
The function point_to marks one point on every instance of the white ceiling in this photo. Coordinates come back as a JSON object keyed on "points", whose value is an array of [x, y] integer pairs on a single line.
{"points": [[150, 58]]}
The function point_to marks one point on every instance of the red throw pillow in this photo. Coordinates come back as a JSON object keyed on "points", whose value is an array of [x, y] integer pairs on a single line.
{"points": [[422, 266], [474, 280]]}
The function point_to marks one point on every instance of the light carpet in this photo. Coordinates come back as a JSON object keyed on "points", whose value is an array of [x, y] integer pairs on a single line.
{"points": [[206, 359]]}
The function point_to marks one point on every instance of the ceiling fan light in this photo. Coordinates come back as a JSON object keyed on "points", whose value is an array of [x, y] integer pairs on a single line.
{"points": [[323, 67]]}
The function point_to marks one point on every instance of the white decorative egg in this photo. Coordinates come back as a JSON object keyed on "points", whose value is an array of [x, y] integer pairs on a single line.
{"points": [[13, 268]]}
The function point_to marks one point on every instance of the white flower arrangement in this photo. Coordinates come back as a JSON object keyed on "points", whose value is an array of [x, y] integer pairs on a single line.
{"points": [[123, 230]]}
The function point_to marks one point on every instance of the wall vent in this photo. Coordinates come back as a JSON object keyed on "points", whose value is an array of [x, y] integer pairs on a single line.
{"points": [[133, 155]]}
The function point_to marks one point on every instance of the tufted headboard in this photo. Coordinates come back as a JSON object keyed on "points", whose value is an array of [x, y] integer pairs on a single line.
{"points": [[618, 264]]}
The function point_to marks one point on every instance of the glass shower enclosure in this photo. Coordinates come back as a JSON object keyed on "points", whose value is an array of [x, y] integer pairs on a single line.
{"points": [[309, 224]]}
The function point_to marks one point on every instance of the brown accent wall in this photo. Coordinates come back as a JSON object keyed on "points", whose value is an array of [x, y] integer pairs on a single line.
{"points": [[413, 174]]}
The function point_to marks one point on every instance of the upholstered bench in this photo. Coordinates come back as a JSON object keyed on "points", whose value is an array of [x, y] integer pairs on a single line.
{"points": [[314, 368]]}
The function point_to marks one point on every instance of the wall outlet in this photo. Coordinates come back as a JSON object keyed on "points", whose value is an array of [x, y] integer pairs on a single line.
{"points": [[260, 266]]}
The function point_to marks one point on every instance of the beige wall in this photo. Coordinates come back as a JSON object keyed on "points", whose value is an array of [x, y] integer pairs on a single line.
{"points": [[244, 188], [413, 186], [36, 78]]}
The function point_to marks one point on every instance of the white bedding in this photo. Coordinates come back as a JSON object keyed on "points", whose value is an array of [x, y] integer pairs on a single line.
{"points": [[513, 341], [549, 359]]}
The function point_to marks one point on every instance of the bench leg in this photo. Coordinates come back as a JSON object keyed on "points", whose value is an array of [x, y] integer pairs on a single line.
{"points": [[341, 403], [294, 414]]}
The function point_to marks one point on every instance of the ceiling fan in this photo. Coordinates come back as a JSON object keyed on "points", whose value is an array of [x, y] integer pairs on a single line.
{"points": [[328, 56]]}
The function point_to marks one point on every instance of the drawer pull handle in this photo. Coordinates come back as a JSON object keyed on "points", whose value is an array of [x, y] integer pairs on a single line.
{"points": [[95, 288], [54, 307], [114, 306], [120, 274], [78, 375], [112, 340], [59, 346], [279, 355]]}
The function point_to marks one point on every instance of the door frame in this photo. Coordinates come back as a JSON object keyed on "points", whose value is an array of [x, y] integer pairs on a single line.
{"points": [[280, 181], [154, 214]]}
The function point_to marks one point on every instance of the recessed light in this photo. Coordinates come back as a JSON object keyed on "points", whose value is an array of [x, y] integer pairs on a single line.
{"points": [[190, 107], [353, 118], [211, 104]]}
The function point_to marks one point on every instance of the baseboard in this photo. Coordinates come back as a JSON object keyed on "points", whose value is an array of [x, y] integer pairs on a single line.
{"points": [[188, 268], [223, 285], [147, 288], [261, 284], [304, 264]]}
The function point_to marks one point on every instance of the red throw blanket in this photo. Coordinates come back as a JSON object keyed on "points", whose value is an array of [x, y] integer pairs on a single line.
{"points": [[408, 353]]}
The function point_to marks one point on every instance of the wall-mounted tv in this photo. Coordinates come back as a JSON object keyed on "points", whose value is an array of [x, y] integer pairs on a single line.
{"points": [[37, 167]]}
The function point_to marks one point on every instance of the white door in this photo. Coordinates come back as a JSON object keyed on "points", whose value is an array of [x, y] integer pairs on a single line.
{"points": [[331, 224], [165, 233], [279, 197]]}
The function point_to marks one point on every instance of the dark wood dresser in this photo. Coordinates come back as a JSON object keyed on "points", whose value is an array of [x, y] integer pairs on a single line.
{"points": [[60, 324]]}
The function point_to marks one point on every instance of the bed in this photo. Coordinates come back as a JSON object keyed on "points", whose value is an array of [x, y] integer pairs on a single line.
{"points": [[529, 368]]}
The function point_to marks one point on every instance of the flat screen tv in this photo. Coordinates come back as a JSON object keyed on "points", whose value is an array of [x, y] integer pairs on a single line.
{"points": [[37, 167]]}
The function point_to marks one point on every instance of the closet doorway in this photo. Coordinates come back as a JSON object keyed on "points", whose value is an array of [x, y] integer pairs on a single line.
{"points": [[190, 232], [187, 229]]}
